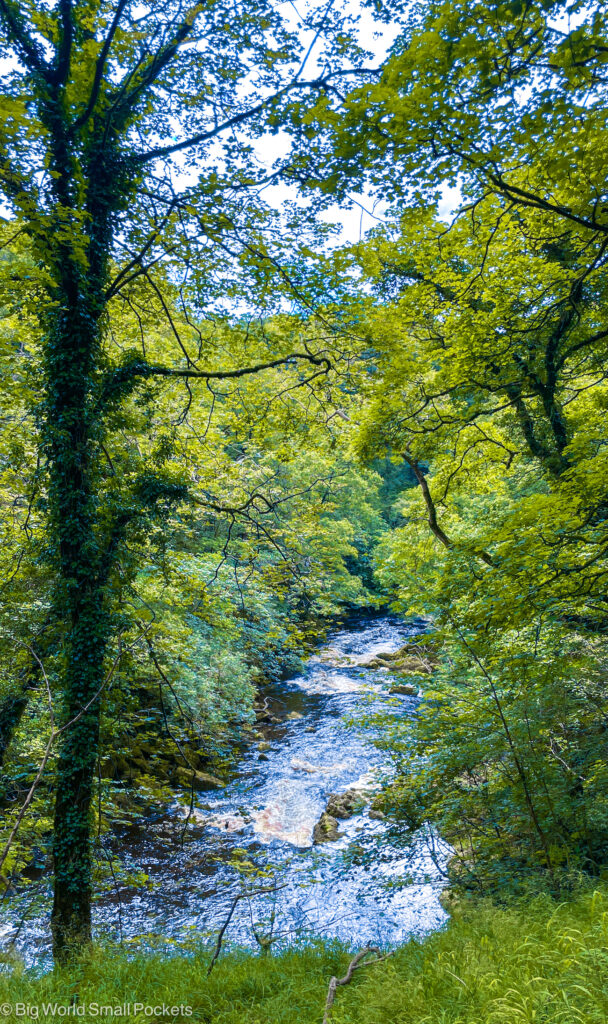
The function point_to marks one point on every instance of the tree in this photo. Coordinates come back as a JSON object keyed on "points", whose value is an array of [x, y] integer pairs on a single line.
{"points": [[485, 373], [489, 347], [109, 111]]}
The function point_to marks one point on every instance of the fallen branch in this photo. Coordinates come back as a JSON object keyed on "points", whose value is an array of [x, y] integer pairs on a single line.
{"points": [[355, 963]]}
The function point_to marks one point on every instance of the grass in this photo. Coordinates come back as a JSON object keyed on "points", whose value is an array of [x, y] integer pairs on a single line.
{"points": [[532, 963]]}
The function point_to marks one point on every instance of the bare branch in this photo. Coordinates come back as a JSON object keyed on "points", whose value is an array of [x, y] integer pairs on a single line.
{"points": [[239, 896], [245, 115], [354, 965]]}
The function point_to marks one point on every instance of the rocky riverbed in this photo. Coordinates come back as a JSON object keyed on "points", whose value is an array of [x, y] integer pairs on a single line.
{"points": [[293, 823]]}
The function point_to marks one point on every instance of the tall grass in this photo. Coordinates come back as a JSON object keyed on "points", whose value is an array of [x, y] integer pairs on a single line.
{"points": [[532, 963]]}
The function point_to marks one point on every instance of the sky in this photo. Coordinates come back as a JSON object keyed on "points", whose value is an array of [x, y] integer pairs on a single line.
{"points": [[365, 212]]}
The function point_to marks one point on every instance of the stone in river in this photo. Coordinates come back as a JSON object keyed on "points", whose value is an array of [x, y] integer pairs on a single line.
{"points": [[406, 688], [305, 766], [344, 805], [326, 829]]}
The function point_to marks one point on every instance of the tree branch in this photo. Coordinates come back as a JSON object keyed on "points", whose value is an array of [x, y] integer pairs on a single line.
{"points": [[432, 511], [160, 60], [100, 66], [355, 963], [237, 898], [64, 50], [121, 381], [28, 49], [245, 115]]}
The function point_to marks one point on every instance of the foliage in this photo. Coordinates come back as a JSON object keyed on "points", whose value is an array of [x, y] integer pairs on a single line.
{"points": [[482, 368]]}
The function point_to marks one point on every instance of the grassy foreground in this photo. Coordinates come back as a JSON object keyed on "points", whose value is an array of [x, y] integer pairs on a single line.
{"points": [[535, 962]]}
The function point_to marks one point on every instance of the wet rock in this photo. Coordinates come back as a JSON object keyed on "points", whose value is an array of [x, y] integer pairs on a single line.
{"points": [[412, 658], [344, 805], [227, 822], [262, 757], [376, 815], [267, 716], [310, 728], [198, 780], [293, 715], [326, 830], [408, 689], [368, 660], [333, 657], [264, 745]]}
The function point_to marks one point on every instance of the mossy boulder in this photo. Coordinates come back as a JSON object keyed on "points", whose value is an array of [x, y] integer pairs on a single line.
{"points": [[194, 779], [407, 689], [411, 659], [326, 830], [344, 805]]}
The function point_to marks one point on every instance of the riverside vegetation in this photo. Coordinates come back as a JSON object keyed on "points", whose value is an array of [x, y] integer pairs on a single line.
{"points": [[220, 429]]}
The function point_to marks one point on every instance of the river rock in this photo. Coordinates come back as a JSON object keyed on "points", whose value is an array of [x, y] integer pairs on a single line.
{"points": [[332, 656], [344, 805], [293, 715], [199, 780], [326, 829], [264, 745], [375, 814], [405, 688], [270, 824], [368, 660], [226, 822]]}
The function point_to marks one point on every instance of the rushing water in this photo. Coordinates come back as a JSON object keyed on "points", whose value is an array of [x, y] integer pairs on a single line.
{"points": [[264, 819]]}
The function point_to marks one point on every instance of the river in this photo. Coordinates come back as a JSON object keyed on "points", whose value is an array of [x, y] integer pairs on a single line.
{"points": [[257, 832]]}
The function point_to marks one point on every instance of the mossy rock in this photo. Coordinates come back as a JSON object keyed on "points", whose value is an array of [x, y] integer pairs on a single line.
{"points": [[378, 804], [344, 805], [198, 780], [407, 689], [326, 830]]}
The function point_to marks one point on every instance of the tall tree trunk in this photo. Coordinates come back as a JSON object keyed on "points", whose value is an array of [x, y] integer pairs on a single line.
{"points": [[71, 429], [71, 917]]}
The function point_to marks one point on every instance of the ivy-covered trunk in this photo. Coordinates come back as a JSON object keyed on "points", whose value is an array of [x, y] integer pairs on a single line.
{"points": [[71, 919], [71, 426]]}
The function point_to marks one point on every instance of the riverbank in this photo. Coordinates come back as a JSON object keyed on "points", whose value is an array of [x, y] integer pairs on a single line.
{"points": [[176, 873], [534, 961]]}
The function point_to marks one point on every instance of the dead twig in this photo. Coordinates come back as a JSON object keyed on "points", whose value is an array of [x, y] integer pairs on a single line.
{"points": [[356, 962]]}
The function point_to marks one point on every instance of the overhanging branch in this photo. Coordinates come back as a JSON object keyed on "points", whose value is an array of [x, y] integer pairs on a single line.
{"points": [[121, 381], [245, 115]]}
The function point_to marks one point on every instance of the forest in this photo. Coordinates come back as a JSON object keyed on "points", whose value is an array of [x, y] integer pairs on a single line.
{"points": [[304, 481]]}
